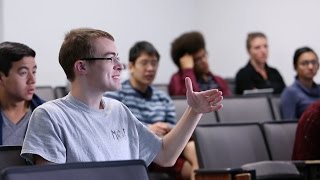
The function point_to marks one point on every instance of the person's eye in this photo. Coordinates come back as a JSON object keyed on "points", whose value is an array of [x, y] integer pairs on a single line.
{"points": [[23, 73]]}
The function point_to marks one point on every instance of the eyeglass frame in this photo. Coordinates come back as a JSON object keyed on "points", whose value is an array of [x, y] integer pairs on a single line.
{"points": [[306, 63], [115, 60]]}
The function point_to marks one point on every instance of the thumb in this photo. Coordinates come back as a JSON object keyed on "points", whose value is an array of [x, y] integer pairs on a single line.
{"points": [[188, 83]]}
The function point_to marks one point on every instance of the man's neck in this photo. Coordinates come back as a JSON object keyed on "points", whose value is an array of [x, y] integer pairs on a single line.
{"points": [[257, 66], [87, 95], [14, 110], [260, 68], [138, 86]]}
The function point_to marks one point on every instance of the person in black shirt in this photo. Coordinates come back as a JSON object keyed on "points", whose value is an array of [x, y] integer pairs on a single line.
{"points": [[257, 74]]}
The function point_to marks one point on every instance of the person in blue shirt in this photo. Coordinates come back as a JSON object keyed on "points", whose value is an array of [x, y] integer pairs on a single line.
{"points": [[151, 106], [17, 86], [304, 91]]}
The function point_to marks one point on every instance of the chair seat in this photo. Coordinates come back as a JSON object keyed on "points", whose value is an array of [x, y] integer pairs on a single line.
{"points": [[273, 170]]}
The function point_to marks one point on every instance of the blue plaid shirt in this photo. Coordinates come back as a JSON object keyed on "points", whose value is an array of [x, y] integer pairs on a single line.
{"points": [[149, 107]]}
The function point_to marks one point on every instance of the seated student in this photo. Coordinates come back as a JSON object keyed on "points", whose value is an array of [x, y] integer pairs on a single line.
{"points": [[85, 126], [151, 106], [307, 144], [304, 91], [257, 74], [189, 54], [17, 85]]}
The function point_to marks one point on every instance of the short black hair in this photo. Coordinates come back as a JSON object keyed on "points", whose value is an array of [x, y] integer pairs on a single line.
{"points": [[142, 47], [11, 52]]}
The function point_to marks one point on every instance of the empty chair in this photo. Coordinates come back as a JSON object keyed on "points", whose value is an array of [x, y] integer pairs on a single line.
{"points": [[245, 109], [280, 137], [180, 103], [60, 91], [162, 87], [274, 170], [45, 92], [232, 84], [120, 170], [222, 146], [10, 156], [275, 105]]}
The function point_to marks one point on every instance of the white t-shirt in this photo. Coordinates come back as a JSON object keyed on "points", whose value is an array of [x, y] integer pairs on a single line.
{"points": [[67, 130]]}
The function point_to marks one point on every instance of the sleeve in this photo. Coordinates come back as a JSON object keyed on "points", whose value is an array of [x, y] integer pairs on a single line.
{"points": [[223, 86], [43, 138], [177, 83], [243, 82], [288, 104]]}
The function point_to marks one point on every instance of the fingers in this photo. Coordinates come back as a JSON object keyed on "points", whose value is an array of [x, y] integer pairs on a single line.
{"points": [[214, 96], [188, 83], [216, 107]]}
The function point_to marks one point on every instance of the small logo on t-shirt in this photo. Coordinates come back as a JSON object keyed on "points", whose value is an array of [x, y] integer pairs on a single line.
{"points": [[118, 134]]}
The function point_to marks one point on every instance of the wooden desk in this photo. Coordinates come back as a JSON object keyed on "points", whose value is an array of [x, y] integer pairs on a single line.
{"points": [[225, 174]]}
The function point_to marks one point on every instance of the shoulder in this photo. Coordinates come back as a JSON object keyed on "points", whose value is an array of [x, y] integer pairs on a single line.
{"points": [[290, 93], [244, 70], [160, 94], [52, 105], [273, 69]]}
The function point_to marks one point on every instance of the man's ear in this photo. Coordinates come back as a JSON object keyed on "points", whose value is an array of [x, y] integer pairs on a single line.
{"points": [[130, 67], [80, 66]]}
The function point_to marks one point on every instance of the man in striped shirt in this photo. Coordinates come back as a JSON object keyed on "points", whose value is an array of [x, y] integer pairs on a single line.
{"points": [[151, 106]]}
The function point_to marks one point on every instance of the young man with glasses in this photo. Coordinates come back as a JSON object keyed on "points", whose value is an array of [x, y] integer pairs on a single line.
{"points": [[189, 54], [151, 106], [17, 86], [304, 91], [85, 126]]}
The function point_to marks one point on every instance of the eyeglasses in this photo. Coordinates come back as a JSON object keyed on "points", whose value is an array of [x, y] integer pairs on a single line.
{"points": [[146, 63], [312, 62], [115, 60]]}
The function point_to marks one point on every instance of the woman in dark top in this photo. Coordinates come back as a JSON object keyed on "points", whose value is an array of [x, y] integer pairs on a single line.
{"points": [[257, 74]]}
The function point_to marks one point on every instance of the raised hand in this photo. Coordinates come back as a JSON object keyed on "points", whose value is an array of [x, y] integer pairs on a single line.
{"points": [[204, 101], [186, 62]]}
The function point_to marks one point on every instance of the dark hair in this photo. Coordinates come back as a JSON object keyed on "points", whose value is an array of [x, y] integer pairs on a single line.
{"points": [[79, 43], [251, 36], [142, 47], [299, 52], [187, 43], [11, 52]]}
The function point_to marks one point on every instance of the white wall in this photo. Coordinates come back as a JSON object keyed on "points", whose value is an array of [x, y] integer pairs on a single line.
{"points": [[1, 21], [42, 25], [287, 23]]}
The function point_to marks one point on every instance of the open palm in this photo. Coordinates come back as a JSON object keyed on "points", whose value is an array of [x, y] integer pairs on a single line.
{"points": [[204, 101]]}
